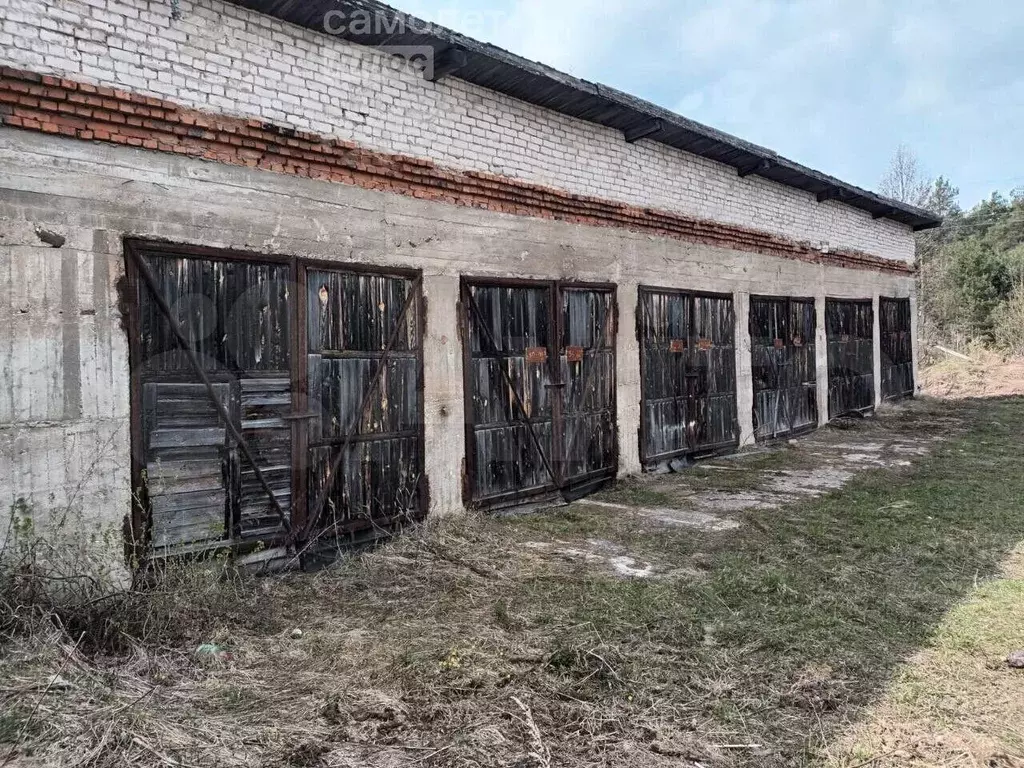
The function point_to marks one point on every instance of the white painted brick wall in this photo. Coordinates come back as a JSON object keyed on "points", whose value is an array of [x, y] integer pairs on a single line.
{"points": [[225, 58]]}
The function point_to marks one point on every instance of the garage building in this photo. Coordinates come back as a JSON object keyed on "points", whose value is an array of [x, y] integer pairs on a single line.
{"points": [[280, 271]]}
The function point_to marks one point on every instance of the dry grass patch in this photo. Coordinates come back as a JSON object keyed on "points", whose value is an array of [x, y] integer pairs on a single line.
{"points": [[460, 644], [984, 374]]}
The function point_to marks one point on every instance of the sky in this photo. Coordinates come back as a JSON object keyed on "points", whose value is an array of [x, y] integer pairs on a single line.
{"points": [[833, 84]]}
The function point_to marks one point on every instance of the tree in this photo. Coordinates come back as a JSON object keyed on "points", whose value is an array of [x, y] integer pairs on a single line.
{"points": [[978, 278], [905, 181], [972, 267], [1009, 323], [942, 198]]}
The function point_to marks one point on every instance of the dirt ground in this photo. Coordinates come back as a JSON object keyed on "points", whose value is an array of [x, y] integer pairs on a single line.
{"points": [[841, 600], [985, 374]]}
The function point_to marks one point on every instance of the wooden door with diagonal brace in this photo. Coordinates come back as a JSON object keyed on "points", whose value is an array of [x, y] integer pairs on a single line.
{"points": [[540, 389], [364, 438], [274, 401], [688, 374], [211, 366]]}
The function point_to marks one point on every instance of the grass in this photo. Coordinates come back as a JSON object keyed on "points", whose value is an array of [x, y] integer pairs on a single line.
{"points": [[635, 492], [478, 641], [953, 702]]}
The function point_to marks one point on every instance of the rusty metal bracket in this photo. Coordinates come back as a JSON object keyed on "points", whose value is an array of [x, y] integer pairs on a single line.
{"points": [[332, 473], [150, 279]]}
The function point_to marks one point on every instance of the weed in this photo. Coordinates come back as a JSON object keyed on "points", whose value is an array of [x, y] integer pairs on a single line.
{"points": [[71, 579]]}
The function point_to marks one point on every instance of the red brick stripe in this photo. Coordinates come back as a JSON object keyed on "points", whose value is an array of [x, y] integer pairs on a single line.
{"points": [[65, 107]]}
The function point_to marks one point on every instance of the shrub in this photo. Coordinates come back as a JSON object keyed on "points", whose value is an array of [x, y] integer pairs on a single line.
{"points": [[74, 578], [1009, 324]]}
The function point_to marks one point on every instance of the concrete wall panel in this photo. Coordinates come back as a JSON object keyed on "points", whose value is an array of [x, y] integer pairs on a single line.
{"points": [[64, 438]]}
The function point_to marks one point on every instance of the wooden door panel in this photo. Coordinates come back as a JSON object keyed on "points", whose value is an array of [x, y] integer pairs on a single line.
{"points": [[688, 373], [850, 334], [784, 366]]}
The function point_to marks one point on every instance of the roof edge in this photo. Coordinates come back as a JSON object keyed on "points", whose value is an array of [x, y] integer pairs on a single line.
{"points": [[499, 70]]}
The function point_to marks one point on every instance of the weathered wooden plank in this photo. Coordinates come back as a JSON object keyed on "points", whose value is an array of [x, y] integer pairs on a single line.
{"points": [[183, 438], [255, 385], [164, 485], [186, 468], [171, 503], [263, 400]]}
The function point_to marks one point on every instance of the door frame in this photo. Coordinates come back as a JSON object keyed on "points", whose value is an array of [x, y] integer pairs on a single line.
{"points": [[559, 484], [137, 524]]}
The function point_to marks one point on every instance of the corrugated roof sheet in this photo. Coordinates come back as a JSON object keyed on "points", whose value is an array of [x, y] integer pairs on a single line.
{"points": [[499, 70]]}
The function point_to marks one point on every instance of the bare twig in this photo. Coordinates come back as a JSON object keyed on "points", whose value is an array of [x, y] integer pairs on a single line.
{"points": [[435, 753], [872, 760], [132, 703], [439, 551], [951, 353], [162, 758], [738, 746], [610, 668]]}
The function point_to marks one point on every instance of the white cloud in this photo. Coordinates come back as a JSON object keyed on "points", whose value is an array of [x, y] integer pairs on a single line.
{"points": [[836, 84]]}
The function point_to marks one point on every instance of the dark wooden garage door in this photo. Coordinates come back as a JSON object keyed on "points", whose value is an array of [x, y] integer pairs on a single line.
{"points": [[851, 356], [897, 348], [249, 376], [540, 389], [364, 397], [688, 372], [782, 335]]}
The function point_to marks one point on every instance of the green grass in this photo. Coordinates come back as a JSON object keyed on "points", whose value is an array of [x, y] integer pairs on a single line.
{"points": [[778, 634], [637, 492], [851, 582]]}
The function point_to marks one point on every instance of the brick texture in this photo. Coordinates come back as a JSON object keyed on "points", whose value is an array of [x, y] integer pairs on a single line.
{"points": [[219, 57], [59, 106]]}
